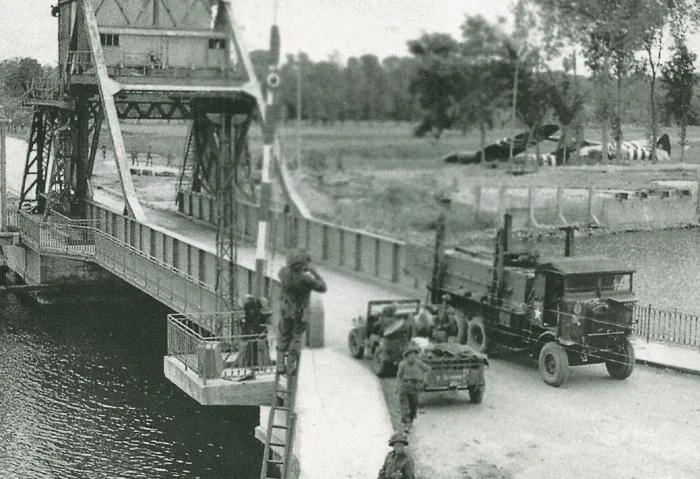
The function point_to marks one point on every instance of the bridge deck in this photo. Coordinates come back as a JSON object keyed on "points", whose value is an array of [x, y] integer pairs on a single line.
{"points": [[343, 424]]}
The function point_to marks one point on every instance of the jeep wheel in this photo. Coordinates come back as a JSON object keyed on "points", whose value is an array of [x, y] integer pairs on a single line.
{"points": [[381, 366], [554, 364], [476, 393], [356, 344], [621, 364], [476, 335]]}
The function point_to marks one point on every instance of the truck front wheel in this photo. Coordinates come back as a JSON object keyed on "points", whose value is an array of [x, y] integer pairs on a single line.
{"points": [[554, 364], [621, 364], [476, 393], [476, 335]]}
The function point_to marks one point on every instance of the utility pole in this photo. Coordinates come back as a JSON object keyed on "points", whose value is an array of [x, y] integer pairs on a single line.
{"points": [[512, 114], [299, 78], [4, 124]]}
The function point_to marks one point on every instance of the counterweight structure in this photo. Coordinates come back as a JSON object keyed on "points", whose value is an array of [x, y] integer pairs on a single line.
{"points": [[149, 60]]}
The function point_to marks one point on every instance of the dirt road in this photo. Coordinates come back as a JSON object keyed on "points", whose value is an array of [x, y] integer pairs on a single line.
{"points": [[592, 427]]}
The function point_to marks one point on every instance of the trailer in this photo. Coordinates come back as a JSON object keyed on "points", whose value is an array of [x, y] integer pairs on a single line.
{"points": [[454, 366]]}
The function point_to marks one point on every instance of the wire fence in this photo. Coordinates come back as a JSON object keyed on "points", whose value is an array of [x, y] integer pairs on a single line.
{"points": [[675, 327]]}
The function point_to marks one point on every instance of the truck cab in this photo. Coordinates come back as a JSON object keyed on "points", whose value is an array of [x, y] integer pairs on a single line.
{"points": [[579, 296]]}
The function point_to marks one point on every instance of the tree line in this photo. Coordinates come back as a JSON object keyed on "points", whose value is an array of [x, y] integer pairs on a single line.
{"points": [[492, 75]]}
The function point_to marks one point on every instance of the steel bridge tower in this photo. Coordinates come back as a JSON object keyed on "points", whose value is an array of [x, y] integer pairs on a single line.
{"points": [[152, 60]]}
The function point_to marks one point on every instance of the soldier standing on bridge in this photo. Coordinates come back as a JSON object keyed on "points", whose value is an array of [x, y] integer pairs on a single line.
{"points": [[398, 463], [297, 279], [411, 376]]}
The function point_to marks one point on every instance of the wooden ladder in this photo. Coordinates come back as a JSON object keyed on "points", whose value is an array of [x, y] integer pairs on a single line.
{"points": [[282, 418]]}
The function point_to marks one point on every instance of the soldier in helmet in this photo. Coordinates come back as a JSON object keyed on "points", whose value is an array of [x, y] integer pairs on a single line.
{"points": [[297, 279], [398, 463], [411, 377], [386, 319]]}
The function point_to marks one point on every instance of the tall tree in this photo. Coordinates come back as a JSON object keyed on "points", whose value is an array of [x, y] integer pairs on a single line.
{"points": [[486, 72], [436, 81], [678, 75], [609, 32]]}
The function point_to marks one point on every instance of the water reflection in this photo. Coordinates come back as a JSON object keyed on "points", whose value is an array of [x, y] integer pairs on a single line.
{"points": [[82, 394]]}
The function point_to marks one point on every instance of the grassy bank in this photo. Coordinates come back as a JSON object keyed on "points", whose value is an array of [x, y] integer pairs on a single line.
{"points": [[380, 178]]}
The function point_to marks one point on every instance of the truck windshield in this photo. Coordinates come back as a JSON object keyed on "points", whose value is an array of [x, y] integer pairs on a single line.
{"points": [[616, 282], [595, 283]]}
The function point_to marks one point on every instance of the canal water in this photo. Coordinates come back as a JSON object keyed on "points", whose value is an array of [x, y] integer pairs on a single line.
{"points": [[83, 395]]}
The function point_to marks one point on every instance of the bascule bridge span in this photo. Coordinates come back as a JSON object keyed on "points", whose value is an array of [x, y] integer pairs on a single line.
{"points": [[183, 60]]}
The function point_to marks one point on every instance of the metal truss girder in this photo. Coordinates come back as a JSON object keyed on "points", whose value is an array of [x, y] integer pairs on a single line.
{"points": [[153, 110], [109, 110], [38, 154]]}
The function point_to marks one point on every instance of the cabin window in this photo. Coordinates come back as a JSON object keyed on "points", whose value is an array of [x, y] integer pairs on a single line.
{"points": [[217, 43], [616, 282], [581, 284], [109, 39]]}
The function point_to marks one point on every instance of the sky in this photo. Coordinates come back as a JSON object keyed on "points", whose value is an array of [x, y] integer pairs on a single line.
{"points": [[317, 27]]}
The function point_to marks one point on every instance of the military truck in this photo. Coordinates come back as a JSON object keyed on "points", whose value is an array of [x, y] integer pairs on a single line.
{"points": [[454, 367], [564, 312]]}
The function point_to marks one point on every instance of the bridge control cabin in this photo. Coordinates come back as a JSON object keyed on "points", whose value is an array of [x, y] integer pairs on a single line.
{"points": [[153, 42]]}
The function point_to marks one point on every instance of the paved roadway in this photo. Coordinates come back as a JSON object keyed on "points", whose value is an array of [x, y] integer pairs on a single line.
{"points": [[592, 427]]}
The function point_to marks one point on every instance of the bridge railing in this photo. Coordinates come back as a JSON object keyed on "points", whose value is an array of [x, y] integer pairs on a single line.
{"points": [[360, 252], [193, 340], [171, 286], [668, 326], [74, 238], [11, 220]]}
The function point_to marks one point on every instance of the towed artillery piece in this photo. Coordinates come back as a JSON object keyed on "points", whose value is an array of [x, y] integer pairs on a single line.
{"points": [[564, 312], [454, 367]]}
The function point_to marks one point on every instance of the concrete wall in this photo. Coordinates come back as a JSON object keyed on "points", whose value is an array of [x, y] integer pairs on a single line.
{"points": [[655, 213]]}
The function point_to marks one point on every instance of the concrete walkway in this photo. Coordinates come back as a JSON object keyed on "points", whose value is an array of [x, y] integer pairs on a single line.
{"points": [[680, 358]]}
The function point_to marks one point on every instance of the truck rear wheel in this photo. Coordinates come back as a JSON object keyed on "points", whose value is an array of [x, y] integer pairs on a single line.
{"points": [[621, 365], [477, 338], [381, 366], [554, 364], [476, 393], [356, 344]]}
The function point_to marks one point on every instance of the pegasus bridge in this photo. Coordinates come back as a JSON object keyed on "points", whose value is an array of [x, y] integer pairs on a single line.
{"points": [[125, 60]]}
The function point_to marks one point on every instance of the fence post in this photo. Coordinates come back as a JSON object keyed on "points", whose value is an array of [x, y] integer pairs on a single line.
{"points": [[648, 322], [560, 206], [591, 216]]}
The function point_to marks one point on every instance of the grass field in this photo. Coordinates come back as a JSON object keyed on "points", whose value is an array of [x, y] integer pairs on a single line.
{"points": [[380, 178]]}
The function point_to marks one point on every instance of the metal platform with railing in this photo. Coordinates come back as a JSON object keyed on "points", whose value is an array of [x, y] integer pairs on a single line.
{"points": [[55, 234], [216, 366], [208, 345]]}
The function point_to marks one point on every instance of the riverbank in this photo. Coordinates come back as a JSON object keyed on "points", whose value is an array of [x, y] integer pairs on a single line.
{"points": [[406, 203]]}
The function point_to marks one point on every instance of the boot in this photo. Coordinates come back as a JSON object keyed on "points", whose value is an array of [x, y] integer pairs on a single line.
{"points": [[281, 369]]}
